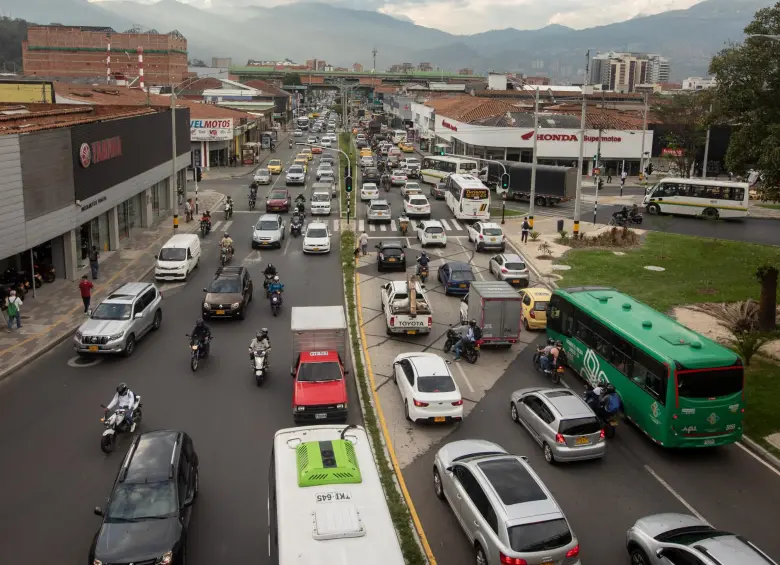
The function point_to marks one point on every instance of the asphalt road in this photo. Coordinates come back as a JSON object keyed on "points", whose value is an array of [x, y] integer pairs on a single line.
{"points": [[601, 499], [53, 472]]}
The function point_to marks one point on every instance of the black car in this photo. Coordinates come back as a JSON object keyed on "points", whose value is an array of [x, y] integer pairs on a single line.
{"points": [[390, 255], [147, 516], [371, 174], [361, 144], [228, 294]]}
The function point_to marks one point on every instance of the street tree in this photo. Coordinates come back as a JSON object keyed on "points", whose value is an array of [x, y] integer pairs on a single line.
{"points": [[767, 311], [292, 79], [748, 96], [685, 119]]}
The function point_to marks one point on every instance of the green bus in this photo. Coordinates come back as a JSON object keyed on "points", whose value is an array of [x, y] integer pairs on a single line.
{"points": [[680, 388]]}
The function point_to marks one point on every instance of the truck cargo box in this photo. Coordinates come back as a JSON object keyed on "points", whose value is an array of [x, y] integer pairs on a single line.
{"points": [[318, 328], [497, 308]]}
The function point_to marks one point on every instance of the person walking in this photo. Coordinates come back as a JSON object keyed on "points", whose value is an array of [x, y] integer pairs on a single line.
{"points": [[13, 306], [609, 176], [364, 243], [94, 255], [85, 287], [526, 229], [187, 210]]}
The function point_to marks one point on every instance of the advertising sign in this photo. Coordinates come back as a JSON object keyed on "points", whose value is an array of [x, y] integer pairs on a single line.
{"points": [[211, 130]]}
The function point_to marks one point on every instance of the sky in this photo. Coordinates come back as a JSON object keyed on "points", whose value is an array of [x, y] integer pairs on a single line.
{"points": [[474, 16]]}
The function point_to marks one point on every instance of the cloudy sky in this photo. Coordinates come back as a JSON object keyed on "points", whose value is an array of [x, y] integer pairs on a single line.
{"points": [[473, 16]]}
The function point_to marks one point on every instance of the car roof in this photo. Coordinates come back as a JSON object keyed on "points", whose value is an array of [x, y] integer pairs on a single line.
{"points": [[180, 240], [150, 458], [128, 292], [428, 364], [730, 549], [537, 292], [568, 404], [369, 184], [228, 271], [429, 223], [458, 266], [490, 225], [325, 192], [268, 217], [512, 257], [319, 225]]}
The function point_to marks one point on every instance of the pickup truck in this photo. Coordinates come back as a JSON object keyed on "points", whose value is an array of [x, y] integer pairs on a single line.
{"points": [[406, 308]]}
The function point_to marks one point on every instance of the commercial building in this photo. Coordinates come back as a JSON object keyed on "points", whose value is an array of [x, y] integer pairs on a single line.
{"points": [[357, 68], [91, 52], [26, 91], [698, 83], [622, 72], [74, 176]]}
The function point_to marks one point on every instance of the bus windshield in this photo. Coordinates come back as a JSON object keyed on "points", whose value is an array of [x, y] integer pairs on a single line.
{"points": [[710, 383]]}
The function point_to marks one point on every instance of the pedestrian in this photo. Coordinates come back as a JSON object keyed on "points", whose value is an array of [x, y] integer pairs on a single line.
{"points": [[609, 176], [526, 229], [364, 243], [187, 211], [13, 306], [623, 176], [94, 255], [86, 286]]}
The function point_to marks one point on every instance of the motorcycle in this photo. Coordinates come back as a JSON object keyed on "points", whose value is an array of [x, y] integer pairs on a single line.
{"points": [[470, 351], [224, 255], [276, 302], [291, 144], [422, 272], [300, 209], [205, 228], [555, 373], [198, 351], [608, 422], [296, 225], [47, 272], [116, 424], [12, 280], [260, 365], [268, 280], [228, 210], [618, 219], [27, 279], [252, 202]]}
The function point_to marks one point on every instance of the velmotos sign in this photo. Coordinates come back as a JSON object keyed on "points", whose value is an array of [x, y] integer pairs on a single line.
{"points": [[211, 130]]}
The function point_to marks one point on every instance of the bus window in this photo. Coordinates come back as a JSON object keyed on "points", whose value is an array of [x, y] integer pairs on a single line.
{"points": [[650, 375], [710, 383], [622, 355]]}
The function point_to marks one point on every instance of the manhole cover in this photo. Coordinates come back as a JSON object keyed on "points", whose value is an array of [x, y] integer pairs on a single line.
{"points": [[81, 362], [561, 267], [618, 253], [654, 268]]}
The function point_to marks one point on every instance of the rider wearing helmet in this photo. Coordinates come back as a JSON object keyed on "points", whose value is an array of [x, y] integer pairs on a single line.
{"points": [[276, 286], [466, 338], [270, 270], [422, 261], [125, 399], [610, 401], [259, 343], [227, 242], [201, 333]]}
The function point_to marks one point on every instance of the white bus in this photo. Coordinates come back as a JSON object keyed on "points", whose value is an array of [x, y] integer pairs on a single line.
{"points": [[325, 500], [710, 199], [399, 135], [467, 197], [302, 122], [436, 169]]}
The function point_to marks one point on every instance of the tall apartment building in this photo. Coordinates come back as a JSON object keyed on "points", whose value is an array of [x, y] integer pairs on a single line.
{"points": [[82, 52], [424, 67], [221, 62], [357, 67], [621, 72]]}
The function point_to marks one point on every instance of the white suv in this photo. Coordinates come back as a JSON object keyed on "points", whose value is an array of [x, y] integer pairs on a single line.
{"points": [[417, 205], [431, 232], [378, 211]]}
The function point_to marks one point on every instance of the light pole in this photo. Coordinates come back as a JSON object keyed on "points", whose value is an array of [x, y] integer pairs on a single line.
{"points": [[644, 135], [533, 161], [586, 90], [706, 150]]}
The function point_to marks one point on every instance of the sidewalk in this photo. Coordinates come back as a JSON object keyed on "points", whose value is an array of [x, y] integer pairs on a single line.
{"points": [[57, 311], [222, 173]]}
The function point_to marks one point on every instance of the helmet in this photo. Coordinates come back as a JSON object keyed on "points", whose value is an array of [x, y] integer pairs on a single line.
{"points": [[199, 323], [610, 388], [226, 234], [263, 333], [473, 323], [550, 341], [558, 343], [270, 267], [276, 278], [121, 388], [424, 254]]}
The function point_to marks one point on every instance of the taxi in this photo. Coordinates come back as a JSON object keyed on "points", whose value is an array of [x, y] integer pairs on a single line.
{"points": [[307, 153], [275, 166], [535, 301], [316, 150], [303, 162], [366, 152], [406, 147]]}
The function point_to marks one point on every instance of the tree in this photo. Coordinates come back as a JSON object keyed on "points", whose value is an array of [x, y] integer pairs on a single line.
{"points": [[767, 305], [748, 95], [292, 79], [685, 117], [12, 33], [338, 109], [740, 319]]}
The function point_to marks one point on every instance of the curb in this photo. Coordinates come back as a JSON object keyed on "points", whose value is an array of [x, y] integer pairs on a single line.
{"points": [[760, 452]]}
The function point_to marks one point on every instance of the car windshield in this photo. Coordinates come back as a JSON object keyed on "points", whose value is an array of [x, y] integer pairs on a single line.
{"points": [[139, 501], [515, 266], [412, 186], [437, 383], [579, 427], [274, 163], [710, 383], [278, 195], [462, 276], [369, 187], [541, 536], [172, 254], [267, 225], [262, 172], [297, 169], [317, 232], [320, 198], [319, 372], [224, 286], [393, 251], [112, 311], [491, 231], [380, 207]]}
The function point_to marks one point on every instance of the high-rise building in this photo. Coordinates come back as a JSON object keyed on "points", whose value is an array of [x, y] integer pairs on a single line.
{"points": [[659, 69], [83, 52], [221, 62], [357, 67], [322, 65], [311, 64], [621, 72], [425, 67]]}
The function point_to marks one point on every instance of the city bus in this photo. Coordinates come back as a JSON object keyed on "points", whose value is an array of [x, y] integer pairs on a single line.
{"points": [[325, 499], [302, 122], [707, 198], [435, 169], [399, 135], [680, 388], [467, 197]]}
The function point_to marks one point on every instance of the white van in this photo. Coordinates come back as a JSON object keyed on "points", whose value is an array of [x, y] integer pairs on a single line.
{"points": [[178, 257]]}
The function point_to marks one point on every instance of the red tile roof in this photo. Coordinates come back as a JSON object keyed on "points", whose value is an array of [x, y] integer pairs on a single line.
{"points": [[465, 108], [25, 118], [267, 87]]}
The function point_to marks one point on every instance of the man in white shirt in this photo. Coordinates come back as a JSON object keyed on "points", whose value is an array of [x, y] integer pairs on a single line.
{"points": [[124, 398], [13, 306]]}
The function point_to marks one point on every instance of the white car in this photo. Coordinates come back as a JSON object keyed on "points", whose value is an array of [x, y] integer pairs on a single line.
{"points": [[431, 232], [298, 133], [325, 142], [311, 139], [366, 161], [320, 204], [378, 211], [323, 169], [317, 238], [427, 389], [411, 162], [416, 205], [369, 191], [268, 231], [487, 235], [398, 178], [411, 187], [262, 176]]}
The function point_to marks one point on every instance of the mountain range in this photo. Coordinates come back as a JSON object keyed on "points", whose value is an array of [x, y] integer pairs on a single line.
{"points": [[344, 36]]}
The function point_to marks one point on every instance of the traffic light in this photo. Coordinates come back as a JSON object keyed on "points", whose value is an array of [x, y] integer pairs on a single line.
{"points": [[595, 159], [505, 181], [442, 151], [199, 174], [348, 184]]}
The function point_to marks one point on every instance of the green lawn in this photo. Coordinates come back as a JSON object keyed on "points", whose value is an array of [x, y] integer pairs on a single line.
{"points": [[697, 270], [495, 213], [762, 395], [770, 206]]}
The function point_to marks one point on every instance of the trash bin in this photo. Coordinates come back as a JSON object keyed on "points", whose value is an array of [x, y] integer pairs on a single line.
{"points": [[560, 226]]}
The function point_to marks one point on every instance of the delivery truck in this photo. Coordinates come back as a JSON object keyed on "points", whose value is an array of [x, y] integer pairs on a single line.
{"points": [[497, 308], [553, 184]]}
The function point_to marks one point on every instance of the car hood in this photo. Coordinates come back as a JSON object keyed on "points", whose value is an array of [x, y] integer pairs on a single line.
{"points": [[171, 264], [134, 542], [103, 327], [456, 449], [277, 201], [323, 241], [223, 298], [266, 233], [330, 392]]}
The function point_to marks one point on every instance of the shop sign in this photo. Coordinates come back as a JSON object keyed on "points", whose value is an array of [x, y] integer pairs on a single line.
{"points": [[570, 137], [211, 130], [94, 203], [453, 127], [99, 151], [669, 152]]}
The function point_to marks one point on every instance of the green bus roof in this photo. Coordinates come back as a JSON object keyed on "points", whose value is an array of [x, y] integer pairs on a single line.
{"points": [[657, 333]]}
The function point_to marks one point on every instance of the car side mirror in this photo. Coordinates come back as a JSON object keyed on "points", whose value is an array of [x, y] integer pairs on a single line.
{"points": [[98, 511], [659, 553], [139, 315], [188, 501], [205, 290]]}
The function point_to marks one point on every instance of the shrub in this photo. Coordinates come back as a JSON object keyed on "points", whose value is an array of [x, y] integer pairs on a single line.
{"points": [[534, 235], [741, 320]]}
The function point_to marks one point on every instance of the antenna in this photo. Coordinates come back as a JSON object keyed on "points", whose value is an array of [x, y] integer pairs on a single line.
{"points": [[374, 52]]}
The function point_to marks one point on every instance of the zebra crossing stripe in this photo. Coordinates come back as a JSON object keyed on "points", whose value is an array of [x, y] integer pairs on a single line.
{"points": [[371, 227], [383, 227], [361, 225], [215, 227], [445, 224], [456, 225], [392, 225]]}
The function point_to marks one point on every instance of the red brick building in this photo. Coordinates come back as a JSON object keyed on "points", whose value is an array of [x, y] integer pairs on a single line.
{"points": [[72, 51]]}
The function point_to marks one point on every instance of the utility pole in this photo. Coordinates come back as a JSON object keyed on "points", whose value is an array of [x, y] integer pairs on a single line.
{"points": [[533, 163], [374, 52], [644, 134], [706, 151], [577, 207]]}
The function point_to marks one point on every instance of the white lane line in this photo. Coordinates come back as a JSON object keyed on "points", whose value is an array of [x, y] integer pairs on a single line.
{"points": [[456, 224], [215, 227], [463, 374], [361, 225], [335, 225], [286, 245], [757, 458], [392, 225], [227, 225], [246, 212], [371, 227], [674, 493], [445, 224]]}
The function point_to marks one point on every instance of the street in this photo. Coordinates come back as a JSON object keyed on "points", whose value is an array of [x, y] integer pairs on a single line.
{"points": [[53, 471]]}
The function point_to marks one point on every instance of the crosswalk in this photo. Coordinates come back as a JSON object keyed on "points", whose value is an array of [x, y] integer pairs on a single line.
{"points": [[451, 227], [221, 225]]}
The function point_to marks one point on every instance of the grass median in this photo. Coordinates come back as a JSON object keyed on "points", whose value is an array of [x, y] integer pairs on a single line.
{"points": [[346, 145]]}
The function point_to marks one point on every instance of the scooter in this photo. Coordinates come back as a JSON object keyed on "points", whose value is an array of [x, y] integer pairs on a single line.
{"points": [[47, 272], [252, 202], [224, 255], [276, 302], [296, 225], [228, 210], [260, 365], [422, 272], [116, 424]]}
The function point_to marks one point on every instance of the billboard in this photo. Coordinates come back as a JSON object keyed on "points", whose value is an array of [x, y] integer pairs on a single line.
{"points": [[211, 130]]}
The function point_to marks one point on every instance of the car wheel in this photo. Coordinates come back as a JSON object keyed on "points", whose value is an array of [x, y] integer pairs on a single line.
{"points": [[525, 325], [513, 413], [548, 454], [480, 555], [129, 346], [157, 320], [437, 486], [638, 556], [241, 314]]}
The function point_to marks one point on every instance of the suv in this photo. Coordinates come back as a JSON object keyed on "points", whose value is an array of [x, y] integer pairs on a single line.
{"points": [[371, 174], [228, 294], [147, 515], [124, 317], [378, 211], [503, 505]]}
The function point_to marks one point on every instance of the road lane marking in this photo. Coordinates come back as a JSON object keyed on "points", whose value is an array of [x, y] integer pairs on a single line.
{"points": [[757, 458], [445, 225], [392, 225], [463, 374], [215, 227], [361, 226], [383, 227], [286, 246], [457, 225], [335, 225], [675, 494], [227, 225]]}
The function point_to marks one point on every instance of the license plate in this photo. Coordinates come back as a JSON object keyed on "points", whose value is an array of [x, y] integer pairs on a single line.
{"points": [[220, 312], [582, 441], [492, 239], [462, 285], [515, 281], [93, 348], [411, 332], [320, 416], [315, 248], [391, 260], [440, 419]]}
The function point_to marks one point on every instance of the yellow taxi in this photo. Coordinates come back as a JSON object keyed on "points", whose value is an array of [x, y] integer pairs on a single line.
{"points": [[303, 162], [307, 153], [535, 301], [406, 147], [275, 166], [366, 152]]}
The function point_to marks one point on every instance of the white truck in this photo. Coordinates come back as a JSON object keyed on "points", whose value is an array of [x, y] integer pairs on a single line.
{"points": [[407, 310]]}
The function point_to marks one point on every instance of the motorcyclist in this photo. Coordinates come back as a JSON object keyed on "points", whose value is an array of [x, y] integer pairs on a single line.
{"points": [[634, 210], [300, 204], [422, 261], [276, 286], [385, 181], [468, 337], [610, 401], [206, 217], [259, 343], [201, 333], [270, 270], [253, 191], [227, 243], [550, 361], [124, 398]]}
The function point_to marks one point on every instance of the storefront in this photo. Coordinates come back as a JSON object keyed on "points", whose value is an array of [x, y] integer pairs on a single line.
{"points": [[211, 141]]}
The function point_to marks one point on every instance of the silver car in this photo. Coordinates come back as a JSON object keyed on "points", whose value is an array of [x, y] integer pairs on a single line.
{"points": [[560, 421], [511, 268], [667, 539], [119, 321], [378, 211], [268, 231], [508, 514], [323, 169], [262, 176]]}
